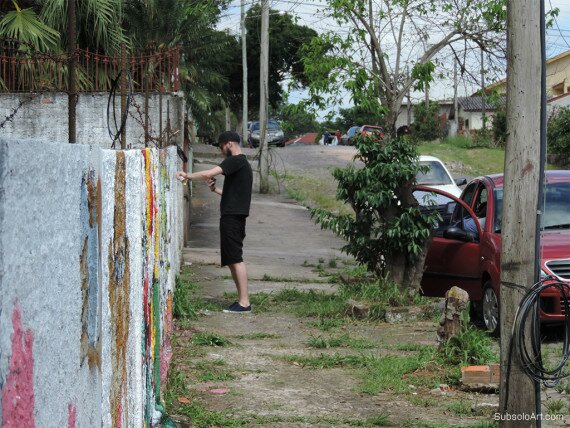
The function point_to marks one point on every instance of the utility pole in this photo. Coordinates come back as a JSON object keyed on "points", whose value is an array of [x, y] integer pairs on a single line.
{"points": [[264, 92], [483, 114], [520, 198], [228, 118], [71, 66], [455, 123], [244, 74]]}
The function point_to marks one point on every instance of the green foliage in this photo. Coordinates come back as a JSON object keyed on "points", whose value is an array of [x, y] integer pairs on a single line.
{"points": [[183, 306], [388, 222], [209, 339], [359, 115], [25, 25], [427, 125], [500, 127], [558, 133], [296, 120], [470, 346], [423, 74]]}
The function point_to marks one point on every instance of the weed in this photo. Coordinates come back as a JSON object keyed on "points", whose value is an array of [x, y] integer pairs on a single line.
{"points": [[555, 407], [183, 307], [469, 346], [327, 324], [258, 336], [332, 264], [460, 408], [320, 342], [563, 387], [209, 339], [321, 260], [410, 347], [421, 401]]}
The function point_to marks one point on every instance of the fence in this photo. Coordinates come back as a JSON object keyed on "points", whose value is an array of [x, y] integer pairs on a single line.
{"points": [[25, 70]]}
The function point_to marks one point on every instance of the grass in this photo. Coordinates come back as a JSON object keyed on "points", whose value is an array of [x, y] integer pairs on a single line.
{"points": [[258, 336], [475, 161], [209, 339], [313, 192], [210, 371], [344, 341], [460, 408], [390, 373], [187, 304], [555, 407]]}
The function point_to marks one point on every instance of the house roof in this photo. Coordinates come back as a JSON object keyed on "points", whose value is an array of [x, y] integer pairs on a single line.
{"points": [[476, 103]]}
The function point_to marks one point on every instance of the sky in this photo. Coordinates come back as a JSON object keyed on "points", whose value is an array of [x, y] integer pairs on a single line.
{"points": [[312, 13]]}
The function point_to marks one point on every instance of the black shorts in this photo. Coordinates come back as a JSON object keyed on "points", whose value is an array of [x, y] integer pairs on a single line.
{"points": [[232, 234]]}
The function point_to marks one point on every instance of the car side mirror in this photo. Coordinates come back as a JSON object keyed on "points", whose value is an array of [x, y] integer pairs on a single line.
{"points": [[461, 181], [454, 232]]}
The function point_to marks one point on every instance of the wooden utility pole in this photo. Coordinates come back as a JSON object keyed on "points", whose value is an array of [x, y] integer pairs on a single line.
{"points": [[244, 74], [483, 98], [228, 119], [520, 198], [71, 66], [264, 93]]}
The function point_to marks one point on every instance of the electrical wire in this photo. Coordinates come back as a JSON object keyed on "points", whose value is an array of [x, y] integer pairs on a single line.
{"points": [[112, 95], [531, 359]]}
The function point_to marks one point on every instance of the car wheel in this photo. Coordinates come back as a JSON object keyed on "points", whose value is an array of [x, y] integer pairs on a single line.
{"points": [[490, 309]]}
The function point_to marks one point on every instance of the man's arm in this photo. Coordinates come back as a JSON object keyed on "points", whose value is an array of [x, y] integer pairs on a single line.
{"points": [[212, 186], [200, 175]]}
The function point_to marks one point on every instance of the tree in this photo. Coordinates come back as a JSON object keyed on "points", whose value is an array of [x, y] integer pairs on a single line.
{"points": [[558, 134], [391, 47], [295, 121], [286, 39], [359, 115], [388, 232], [427, 125]]}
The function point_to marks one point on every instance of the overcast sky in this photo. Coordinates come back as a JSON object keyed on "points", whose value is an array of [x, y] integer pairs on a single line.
{"points": [[313, 14]]}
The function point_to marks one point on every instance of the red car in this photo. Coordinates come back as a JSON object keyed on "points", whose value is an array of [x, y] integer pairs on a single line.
{"points": [[466, 247]]}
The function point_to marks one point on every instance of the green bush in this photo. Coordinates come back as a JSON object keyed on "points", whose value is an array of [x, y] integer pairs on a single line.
{"points": [[500, 127], [558, 134], [427, 124], [388, 232]]}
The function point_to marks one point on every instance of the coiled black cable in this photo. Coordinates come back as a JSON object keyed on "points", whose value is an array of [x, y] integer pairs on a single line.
{"points": [[112, 94], [531, 359]]}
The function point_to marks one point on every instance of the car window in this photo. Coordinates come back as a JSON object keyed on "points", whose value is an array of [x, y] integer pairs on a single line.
{"points": [[352, 131], [469, 193], [255, 126], [556, 212], [273, 126], [480, 205], [435, 175], [431, 201]]}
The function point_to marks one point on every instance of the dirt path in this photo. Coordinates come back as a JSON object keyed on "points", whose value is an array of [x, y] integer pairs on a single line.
{"points": [[283, 365]]}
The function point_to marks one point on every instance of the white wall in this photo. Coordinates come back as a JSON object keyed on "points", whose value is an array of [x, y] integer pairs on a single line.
{"points": [[45, 116], [90, 244]]}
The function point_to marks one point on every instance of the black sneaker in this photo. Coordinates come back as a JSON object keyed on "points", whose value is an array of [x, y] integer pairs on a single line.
{"points": [[236, 308]]}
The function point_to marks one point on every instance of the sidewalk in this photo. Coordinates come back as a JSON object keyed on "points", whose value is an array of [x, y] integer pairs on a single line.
{"points": [[281, 236]]}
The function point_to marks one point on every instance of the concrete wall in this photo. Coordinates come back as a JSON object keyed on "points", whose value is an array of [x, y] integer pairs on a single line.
{"points": [[44, 116], [90, 244]]}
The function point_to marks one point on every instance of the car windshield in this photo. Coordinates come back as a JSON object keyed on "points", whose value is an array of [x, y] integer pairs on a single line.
{"points": [[556, 211], [372, 130], [352, 130], [271, 125], [434, 176]]}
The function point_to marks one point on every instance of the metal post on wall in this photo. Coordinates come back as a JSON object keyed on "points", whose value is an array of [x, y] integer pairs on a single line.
{"points": [[71, 65], [123, 96]]}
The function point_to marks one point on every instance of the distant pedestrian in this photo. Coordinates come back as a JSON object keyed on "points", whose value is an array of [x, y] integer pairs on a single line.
{"points": [[326, 138], [234, 209], [338, 135]]}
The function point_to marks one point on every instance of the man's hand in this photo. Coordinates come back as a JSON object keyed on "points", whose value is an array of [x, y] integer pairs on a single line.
{"points": [[181, 175], [212, 184]]}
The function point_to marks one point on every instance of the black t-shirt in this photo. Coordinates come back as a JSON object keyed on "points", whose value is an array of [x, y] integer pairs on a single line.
{"points": [[236, 194]]}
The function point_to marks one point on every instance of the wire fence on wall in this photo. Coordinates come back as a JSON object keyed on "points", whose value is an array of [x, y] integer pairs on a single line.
{"points": [[25, 70]]}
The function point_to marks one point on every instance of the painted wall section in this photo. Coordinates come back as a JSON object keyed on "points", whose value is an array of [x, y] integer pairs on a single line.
{"points": [[90, 244], [44, 116]]}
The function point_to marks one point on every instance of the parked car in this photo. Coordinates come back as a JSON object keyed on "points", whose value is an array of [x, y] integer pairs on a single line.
{"points": [[438, 177], [470, 259], [346, 139], [371, 130], [275, 135]]}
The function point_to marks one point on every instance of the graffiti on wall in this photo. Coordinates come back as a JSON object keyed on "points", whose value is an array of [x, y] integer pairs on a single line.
{"points": [[119, 298], [18, 391], [90, 211]]}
